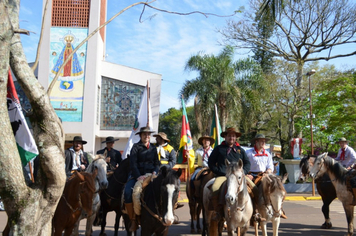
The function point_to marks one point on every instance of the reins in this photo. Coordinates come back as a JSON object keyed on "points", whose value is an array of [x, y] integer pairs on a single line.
{"points": [[70, 207], [238, 191]]}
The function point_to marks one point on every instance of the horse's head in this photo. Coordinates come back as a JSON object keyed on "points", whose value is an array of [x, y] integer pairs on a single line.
{"points": [[99, 164], [169, 193], [235, 180], [87, 189], [318, 167], [304, 166]]}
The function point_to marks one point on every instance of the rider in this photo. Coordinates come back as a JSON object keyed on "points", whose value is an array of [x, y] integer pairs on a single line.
{"points": [[143, 160], [261, 162], [346, 155], [229, 149], [166, 153], [75, 158], [202, 156], [112, 156]]}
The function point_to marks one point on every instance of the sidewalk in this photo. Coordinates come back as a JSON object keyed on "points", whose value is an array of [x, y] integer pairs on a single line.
{"points": [[305, 196]]}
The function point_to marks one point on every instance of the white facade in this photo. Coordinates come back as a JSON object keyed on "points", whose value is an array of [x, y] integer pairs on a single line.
{"points": [[96, 68]]}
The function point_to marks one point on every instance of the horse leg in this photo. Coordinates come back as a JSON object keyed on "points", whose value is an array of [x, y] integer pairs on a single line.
{"points": [[192, 208], [198, 218], [275, 224], [230, 229], [103, 223], [117, 223], [76, 227], [325, 209], [243, 229], [89, 226], [349, 210], [264, 228]]}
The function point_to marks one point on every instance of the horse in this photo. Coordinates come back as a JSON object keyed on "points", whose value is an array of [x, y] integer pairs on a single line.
{"points": [[77, 196], [323, 185], [196, 200], [340, 179], [238, 208], [271, 194], [101, 183], [158, 200], [111, 198]]}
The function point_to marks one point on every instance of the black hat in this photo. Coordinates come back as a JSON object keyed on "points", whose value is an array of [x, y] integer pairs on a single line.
{"points": [[109, 139], [78, 139], [145, 130]]}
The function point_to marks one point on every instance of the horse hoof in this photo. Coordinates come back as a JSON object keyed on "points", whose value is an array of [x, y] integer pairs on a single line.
{"points": [[103, 234], [326, 226], [192, 231], [199, 231]]}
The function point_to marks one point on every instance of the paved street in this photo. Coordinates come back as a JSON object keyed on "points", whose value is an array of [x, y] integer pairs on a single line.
{"points": [[304, 218]]}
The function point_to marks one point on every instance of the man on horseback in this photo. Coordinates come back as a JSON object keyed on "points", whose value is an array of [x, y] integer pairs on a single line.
{"points": [[346, 155], [261, 162], [143, 160], [229, 149], [201, 156], [75, 158], [113, 156], [166, 153]]}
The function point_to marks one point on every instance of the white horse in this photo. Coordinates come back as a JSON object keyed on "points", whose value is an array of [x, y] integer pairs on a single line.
{"points": [[238, 208], [339, 177], [101, 183], [271, 194]]}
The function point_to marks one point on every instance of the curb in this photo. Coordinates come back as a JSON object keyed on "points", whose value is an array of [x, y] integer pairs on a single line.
{"points": [[288, 198]]}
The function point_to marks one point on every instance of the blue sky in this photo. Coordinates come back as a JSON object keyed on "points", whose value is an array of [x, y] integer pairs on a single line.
{"points": [[161, 44]]}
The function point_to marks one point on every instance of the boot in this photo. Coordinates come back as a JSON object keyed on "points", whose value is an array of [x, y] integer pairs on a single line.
{"points": [[283, 215], [132, 216]]}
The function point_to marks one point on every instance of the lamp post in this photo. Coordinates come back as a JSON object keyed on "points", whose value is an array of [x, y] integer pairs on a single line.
{"points": [[311, 123]]}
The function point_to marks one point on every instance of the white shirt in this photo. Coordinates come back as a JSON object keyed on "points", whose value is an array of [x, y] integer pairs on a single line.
{"points": [[75, 160], [259, 163], [350, 156], [202, 160]]}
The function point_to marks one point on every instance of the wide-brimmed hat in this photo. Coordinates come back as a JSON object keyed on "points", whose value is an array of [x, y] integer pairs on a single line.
{"points": [[260, 136], [78, 139], [200, 140], [230, 130], [342, 140], [146, 129], [162, 135], [109, 139]]}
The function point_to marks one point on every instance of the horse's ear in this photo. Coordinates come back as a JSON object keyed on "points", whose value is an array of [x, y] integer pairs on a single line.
{"points": [[241, 164], [80, 176], [179, 172], [227, 162], [285, 177], [164, 171]]}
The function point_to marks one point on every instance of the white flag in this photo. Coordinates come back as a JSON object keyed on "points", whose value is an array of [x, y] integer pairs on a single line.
{"points": [[141, 121]]}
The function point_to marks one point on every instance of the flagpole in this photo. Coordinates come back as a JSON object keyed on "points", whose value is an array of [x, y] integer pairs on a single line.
{"points": [[148, 100], [31, 172]]}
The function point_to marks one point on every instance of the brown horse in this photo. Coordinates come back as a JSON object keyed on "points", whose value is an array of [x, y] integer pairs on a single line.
{"points": [[195, 198], [77, 196]]}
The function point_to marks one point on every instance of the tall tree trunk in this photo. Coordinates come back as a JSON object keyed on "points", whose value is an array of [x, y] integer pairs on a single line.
{"points": [[29, 210]]}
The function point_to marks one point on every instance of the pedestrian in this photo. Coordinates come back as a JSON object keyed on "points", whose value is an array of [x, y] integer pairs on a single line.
{"points": [[231, 150], [165, 151], [75, 158], [143, 160], [346, 155], [112, 156]]}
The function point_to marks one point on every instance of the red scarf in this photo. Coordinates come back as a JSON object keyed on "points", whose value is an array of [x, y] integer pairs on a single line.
{"points": [[342, 156], [258, 154]]}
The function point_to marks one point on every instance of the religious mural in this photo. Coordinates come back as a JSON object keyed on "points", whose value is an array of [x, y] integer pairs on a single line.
{"points": [[120, 102], [68, 92]]}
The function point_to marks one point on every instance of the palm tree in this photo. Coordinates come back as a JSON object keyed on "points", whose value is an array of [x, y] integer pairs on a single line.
{"points": [[217, 83]]}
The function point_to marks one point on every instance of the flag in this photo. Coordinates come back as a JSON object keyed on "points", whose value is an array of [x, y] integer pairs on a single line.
{"points": [[215, 128], [144, 114], [186, 143], [26, 145]]}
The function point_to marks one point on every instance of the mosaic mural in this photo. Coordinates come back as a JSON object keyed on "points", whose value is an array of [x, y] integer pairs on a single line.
{"points": [[120, 102]]}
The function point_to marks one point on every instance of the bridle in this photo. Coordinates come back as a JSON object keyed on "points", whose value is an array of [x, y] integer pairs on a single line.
{"points": [[238, 191], [276, 213]]}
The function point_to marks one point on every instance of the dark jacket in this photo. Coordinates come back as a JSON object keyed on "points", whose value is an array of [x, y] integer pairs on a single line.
{"points": [[115, 156], [69, 161], [143, 160], [217, 158]]}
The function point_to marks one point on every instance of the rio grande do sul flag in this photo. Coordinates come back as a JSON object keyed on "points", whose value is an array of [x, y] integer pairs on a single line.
{"points": [[24, 140], [186, 143], [215, 128]]}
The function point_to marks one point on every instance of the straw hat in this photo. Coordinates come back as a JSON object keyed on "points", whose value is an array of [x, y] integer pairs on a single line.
{"points": [[230, 130], [162, 135], [260, 136], [342, 140], [200, 140]]}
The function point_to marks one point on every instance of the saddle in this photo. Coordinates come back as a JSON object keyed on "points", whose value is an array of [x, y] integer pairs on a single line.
{"points": [[140, 185], [198, 180]]}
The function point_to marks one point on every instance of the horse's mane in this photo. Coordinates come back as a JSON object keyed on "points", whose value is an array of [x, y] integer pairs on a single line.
{"points": [[271, 183], [90, 168], [336, 168]]}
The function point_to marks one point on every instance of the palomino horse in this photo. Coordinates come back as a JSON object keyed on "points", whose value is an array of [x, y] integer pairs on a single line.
{"points": [[324, 186], [271, 194], [195, 198], [340, 179], [101, 183], [77, 196], [111, 197], [158, 200], [238, 208]]}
